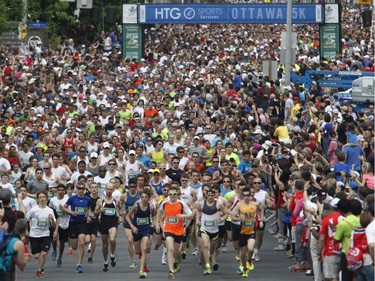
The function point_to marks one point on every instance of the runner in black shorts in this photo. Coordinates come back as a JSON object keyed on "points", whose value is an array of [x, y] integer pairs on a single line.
{"points": [[93, 226], [141, 225], [78, 207], [246, 212], [109, 220], [127, 200], [210, 213]]}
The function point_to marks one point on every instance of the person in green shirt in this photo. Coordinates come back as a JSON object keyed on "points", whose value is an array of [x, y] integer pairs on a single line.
{"points": [[350, 210], [230, 154]]}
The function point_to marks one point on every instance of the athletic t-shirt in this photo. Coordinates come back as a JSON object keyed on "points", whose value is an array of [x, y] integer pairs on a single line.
{"points": [[328, 227], [172, 223], [79, 205]]}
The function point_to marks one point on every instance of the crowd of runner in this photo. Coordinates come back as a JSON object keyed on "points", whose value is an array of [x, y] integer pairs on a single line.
{"points": [[188, 150]]}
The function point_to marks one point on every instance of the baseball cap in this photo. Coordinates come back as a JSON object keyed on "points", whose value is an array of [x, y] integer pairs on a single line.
{"points": [[93, 155], [132, 152], [334, 202]]}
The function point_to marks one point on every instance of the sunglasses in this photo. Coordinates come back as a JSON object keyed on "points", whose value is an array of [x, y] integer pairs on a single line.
{"points": [[257, 182], [246, 194], [172, 194], [132, 186], [80, 188]]}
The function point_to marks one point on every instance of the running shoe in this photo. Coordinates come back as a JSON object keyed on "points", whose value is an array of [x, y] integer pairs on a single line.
{"points": [[145, 269], [195, 252], [257, 257], [205, 271], [105, 267], [170, 275], [79, 269], [59, 262], [90, 260], [176, 267], [39, 275], [89, 248], [164, 258], [245, 273], [250, 266], [237, 258], [133, 265], [54, 255], [183, 255], [240, 269], [224, 249], [215, 267], [70, 252], [142, 274], [113, 261]]}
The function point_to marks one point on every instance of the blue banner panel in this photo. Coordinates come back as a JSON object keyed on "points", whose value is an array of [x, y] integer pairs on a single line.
{"points": [[229, 13]]}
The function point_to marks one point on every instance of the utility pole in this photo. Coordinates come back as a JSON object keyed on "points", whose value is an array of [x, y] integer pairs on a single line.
{"points": [[288, 43], [24, 17]]}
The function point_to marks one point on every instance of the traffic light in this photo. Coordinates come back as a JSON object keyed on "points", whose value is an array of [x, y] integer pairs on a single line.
{"points": [[22, 31]]}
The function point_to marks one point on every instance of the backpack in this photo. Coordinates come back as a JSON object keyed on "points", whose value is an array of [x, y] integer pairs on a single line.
{"points": [[7, 241], [357, 248]]}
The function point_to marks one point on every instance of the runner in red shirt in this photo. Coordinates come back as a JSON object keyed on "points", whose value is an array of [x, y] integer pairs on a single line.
{"points": [[327, 246]]}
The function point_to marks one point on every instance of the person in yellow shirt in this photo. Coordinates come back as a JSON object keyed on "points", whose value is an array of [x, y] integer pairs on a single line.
{"points": [[230, 154], [296, 108], [281, 132], [249, 213]]}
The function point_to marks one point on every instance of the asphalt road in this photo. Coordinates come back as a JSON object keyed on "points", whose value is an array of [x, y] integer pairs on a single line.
{"points": [[273, 266]]}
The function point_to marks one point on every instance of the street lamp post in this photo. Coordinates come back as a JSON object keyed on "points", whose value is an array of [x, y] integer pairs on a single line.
{"points": [[288, 43]]}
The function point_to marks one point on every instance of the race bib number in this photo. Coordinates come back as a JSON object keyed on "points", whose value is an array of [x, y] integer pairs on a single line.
{"points": [[209, 223], [60, 213], [43, 224], [248, 223], [172, 220], [142, 221], [109, 211], [81, 210]]}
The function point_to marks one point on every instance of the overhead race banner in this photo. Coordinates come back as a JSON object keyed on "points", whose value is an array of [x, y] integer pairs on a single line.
{"points": [[245, 13]]}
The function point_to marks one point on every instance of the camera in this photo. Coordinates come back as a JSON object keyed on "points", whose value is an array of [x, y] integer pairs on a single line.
{"points": [[316, 227]]}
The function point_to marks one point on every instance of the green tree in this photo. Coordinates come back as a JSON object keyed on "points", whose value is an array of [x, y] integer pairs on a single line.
{"points": [[10, 10], [58, 15]]}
